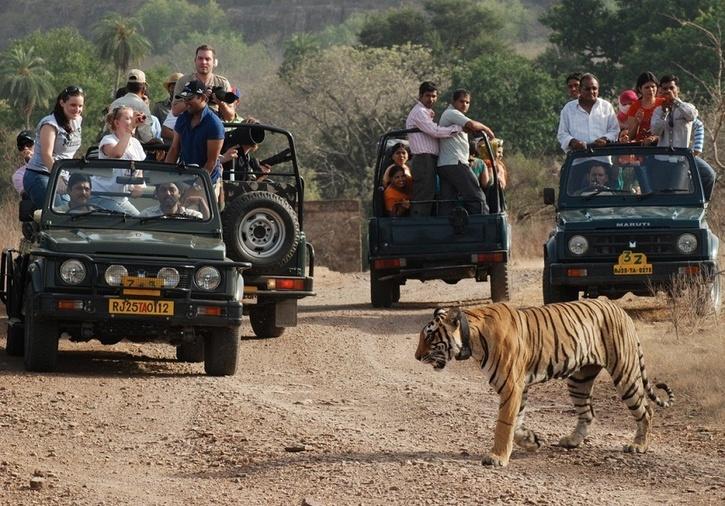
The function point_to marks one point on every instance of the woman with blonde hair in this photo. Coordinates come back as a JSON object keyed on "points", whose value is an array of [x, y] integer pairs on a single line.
{"points": [[120, 144]]}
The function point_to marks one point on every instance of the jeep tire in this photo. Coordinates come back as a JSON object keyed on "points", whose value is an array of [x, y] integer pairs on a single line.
{"points": [[500, 286], [192, 351], [41, 338], [261, 228], [262, 319], [15, 343], [381, 292], [221, 351]]}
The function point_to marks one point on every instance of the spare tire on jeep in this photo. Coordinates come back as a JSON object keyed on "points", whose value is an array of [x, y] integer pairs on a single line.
{"points": [[261, 228]]}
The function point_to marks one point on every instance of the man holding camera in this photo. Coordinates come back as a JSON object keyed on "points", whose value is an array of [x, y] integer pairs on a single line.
{"points": [[221, 100], [135, 88], [198, 132]]}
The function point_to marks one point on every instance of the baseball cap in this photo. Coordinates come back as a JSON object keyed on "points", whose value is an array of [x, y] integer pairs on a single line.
{"points": [[136, 76], [627, 97], [25, 138], [192, 88], [173, 77]]}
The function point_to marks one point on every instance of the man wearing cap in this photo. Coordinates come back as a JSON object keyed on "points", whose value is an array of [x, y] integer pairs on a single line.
{"points": [[204, 62], [25, 141], [162, 107], [198, 132], [135, 87]]}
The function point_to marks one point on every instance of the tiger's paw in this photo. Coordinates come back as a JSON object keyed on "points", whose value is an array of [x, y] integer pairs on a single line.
{"points": [[571, 441], [635, 448], [494, 460], [528, 440]]}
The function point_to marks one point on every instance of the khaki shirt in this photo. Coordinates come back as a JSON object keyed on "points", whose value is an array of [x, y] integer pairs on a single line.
{"points": [[216, 80]]}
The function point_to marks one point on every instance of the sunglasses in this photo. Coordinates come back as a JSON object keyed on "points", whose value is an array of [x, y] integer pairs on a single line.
{"points": [[72, 91]]}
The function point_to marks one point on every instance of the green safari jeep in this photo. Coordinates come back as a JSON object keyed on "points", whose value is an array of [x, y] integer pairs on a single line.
{"points": [[124, 250], [630, 219]]}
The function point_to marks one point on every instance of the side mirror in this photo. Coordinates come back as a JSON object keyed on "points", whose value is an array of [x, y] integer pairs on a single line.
{"points": [[549, 196]]}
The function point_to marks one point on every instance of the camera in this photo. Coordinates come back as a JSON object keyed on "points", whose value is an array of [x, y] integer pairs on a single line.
{"points": [[221, 94]]}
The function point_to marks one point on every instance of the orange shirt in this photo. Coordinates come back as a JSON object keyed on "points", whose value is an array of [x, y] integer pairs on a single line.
{"points": [[644, 126], [393, 195]]}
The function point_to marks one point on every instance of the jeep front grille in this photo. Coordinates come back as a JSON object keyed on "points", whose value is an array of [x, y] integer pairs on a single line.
{"points": [[652, 244], [148, 271]]}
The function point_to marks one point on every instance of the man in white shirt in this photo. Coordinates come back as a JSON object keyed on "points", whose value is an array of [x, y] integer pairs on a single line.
{"points": [[424, 148], [457, 178], [587, 120], [672, 122]]}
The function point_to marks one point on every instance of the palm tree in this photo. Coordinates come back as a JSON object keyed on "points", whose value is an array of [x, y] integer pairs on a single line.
{"points": [[119, 40], [24, 80]]}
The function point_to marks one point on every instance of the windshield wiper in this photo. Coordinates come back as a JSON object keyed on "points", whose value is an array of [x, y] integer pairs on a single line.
{"points": [[663, 191], [171, 215], [605, 189], [99, 210]]}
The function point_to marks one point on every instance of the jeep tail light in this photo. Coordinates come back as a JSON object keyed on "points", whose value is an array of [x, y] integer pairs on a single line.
{"points": [[285, 284], [389, 263], [484, 258], [576, 273]]}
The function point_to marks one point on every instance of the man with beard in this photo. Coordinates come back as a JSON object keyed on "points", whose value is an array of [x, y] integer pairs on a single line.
{"points": [[204, 62], [169, 197], [79, 192]]}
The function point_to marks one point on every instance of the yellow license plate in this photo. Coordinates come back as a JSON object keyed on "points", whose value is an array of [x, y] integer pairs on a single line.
{"points": [[136, 282], [631, 263], [141, 307]]}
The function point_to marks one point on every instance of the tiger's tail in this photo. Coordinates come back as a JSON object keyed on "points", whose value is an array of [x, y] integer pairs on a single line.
{"points": [[648, 386]]}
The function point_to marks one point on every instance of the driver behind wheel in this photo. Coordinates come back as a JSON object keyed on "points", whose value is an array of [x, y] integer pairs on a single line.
{"points": [[79, 192], [169, 197]]}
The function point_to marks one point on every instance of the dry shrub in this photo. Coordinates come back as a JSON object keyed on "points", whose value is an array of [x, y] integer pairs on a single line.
{"points": [[688, 300], [9, 222], [692, 367], [528, 236]]}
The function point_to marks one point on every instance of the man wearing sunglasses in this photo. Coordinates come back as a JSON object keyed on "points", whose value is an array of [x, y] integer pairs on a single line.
{"points": [[198, 132]]}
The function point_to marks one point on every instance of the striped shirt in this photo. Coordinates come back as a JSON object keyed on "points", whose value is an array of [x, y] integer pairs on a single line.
{"points": [[426, 141], [698, 136]]}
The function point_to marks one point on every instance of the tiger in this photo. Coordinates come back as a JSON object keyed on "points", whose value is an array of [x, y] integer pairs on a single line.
{"points": [[517, 348]]}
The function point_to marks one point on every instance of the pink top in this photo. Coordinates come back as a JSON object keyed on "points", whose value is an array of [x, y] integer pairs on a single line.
{"points": [[426, 141]]}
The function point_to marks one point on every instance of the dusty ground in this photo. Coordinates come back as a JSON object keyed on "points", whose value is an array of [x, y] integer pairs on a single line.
{"points": [[336, 411]]}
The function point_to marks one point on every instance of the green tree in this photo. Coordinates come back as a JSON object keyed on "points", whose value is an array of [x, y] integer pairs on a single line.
{"points": [[455, 30], [73, 60], [516, 99], [120, 42], [25, 80], [338, 102]]}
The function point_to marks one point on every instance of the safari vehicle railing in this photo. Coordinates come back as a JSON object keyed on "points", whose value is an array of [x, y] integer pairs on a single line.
{"points": [[499, 203]]}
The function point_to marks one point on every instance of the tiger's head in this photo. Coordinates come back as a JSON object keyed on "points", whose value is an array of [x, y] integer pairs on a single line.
{"points": [[444, 338]]}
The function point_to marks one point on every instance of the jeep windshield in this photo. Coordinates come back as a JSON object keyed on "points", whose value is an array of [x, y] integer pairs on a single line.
{"points": [[135, 192], [621, 176]]}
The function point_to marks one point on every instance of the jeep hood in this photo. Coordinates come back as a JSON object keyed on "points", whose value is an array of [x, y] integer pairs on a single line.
{"points": [[133, 242], [632, 217]]}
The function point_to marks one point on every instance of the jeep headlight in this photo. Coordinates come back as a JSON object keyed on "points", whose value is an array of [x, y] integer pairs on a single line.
{"points": [[578, 245], [687, 243], [115, 274], [72, 272], [208, 278], [170, 276]]}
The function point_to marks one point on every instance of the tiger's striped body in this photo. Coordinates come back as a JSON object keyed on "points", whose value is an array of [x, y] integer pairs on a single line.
{"points": [[520, 347]]}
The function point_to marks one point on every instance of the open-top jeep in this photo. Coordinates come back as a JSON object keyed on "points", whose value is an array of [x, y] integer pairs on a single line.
{"points": [[450, 248], [263, 220], [629, 219], [124, 250]]}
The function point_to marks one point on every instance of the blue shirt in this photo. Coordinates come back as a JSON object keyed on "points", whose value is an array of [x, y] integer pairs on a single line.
{"points": [[194, 139]]}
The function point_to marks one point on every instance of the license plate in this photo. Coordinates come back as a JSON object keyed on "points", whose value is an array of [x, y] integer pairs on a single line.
{"points": [[141, 307], [631, 263], [136, 282]]}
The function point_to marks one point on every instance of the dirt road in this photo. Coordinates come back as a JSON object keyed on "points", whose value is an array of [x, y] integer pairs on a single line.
{"points": [[336, 411]]}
